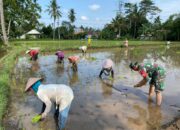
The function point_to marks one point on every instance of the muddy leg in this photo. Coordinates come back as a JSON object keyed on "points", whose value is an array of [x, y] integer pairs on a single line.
{"points": [[151, 92], [158, 98], [35, 57], [74, 66]]}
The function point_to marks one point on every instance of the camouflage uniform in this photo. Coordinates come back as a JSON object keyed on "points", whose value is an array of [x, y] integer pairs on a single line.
{"points": [[155, 72]]}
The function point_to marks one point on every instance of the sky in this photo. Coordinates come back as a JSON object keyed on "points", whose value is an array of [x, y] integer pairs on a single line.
{"points": [[97, 13]]}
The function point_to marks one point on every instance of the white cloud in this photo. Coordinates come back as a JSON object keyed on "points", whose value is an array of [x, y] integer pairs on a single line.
{"points": [[84, 18], [94, 7]]}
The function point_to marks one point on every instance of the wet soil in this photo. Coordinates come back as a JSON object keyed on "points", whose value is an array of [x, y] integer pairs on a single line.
{"points": [[98, 104]]}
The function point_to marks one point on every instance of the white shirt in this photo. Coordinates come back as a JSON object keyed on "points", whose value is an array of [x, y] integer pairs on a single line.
{"points": [[59, 93]]}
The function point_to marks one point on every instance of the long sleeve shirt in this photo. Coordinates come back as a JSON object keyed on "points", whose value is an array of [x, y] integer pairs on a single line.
{"points": [[59, 93]]}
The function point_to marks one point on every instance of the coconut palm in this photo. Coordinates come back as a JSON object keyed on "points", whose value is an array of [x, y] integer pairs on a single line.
{"points": [[5, 39], [54, 12], [71, 16], [118, 24]]}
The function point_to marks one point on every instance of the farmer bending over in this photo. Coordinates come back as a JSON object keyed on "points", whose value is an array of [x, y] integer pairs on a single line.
{"points": [[107, 68], [59, 94], [83, 49], [60, 56], [33, 53], [126, 43], [157, 75], [73, 60]]}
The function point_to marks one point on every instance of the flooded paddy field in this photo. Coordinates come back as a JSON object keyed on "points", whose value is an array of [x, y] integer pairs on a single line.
{"points": [[98, 104]]}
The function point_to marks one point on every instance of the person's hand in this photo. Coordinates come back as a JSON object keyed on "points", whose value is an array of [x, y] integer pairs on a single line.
{"points": [[42, 117], [135, 86]]}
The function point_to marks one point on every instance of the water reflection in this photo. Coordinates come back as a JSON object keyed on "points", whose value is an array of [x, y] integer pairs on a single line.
{"points": [[35, 66], [142, 116], [107, 86], [73, 77], [146, 120], [60, 69]]}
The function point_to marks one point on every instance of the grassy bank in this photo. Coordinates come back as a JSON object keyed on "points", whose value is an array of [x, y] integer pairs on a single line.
{"points": [[18, 48], [6, 66], [49, 45]]}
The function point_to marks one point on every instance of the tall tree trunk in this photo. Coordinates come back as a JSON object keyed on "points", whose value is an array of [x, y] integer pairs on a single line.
{"points": [[59, 30], [135, 30], [9, 26], [119, 32], [5, 39], [54, 29]]}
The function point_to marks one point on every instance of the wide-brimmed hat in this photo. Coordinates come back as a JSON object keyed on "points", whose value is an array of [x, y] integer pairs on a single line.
{"points": [[108, 63], [28, 51], [31, 81]]}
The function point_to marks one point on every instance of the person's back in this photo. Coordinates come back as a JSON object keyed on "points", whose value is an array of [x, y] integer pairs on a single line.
{"points": [[33, 52], [55, 92], [60, 54], [150, 68]]}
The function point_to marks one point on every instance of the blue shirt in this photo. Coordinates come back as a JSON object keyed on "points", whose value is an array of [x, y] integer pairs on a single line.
{"points": [[36, 86]]}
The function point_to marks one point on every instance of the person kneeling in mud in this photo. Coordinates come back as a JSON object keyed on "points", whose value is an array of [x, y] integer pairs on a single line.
{"points": [[60, 94], [156, 74], [60, 56], [107, 68], [73, 61], [83, 49], [33, 53]]}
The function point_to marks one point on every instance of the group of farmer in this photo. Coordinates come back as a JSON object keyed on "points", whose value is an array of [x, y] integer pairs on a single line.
{"points": [[62, 95]]}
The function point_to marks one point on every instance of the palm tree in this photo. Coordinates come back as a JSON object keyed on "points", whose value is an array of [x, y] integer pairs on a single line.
{"points": [[118, 24], [5, 39], [71, 16], [54, 12], [134, 16]]}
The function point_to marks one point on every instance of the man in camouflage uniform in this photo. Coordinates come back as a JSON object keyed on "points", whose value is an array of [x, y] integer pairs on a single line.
{"points": [[155, 73]]}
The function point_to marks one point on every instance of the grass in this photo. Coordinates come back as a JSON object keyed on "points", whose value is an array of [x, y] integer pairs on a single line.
{"points": [[18, 48], [49, 45]]}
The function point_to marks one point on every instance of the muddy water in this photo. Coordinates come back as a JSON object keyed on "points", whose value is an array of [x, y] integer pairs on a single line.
{"points": [[98, 104]]}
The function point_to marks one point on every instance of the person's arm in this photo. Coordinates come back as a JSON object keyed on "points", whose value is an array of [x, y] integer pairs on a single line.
{"points": [[101, 72], [144, 74], [141, 83], [47, 102]]}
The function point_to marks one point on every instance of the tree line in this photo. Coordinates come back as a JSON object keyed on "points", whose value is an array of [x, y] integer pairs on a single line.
{"points": [[136, 21]]}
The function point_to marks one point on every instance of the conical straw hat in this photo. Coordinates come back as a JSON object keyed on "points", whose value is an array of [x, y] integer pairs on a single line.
{"points": [[30, 82]]}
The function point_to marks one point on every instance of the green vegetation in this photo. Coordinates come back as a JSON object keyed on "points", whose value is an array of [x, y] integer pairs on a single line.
{"points": [[49, 45], [19, 47], [6, 66]]}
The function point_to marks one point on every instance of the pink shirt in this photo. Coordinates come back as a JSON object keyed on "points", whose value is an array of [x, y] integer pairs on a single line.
{"points": [[73, 58]]}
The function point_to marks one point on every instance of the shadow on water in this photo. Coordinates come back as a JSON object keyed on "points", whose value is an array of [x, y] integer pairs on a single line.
{"points": [[98, 104]]}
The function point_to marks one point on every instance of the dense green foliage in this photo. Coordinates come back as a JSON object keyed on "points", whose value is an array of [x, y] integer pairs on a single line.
{"points": [[136, 21], [21, 16]]}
